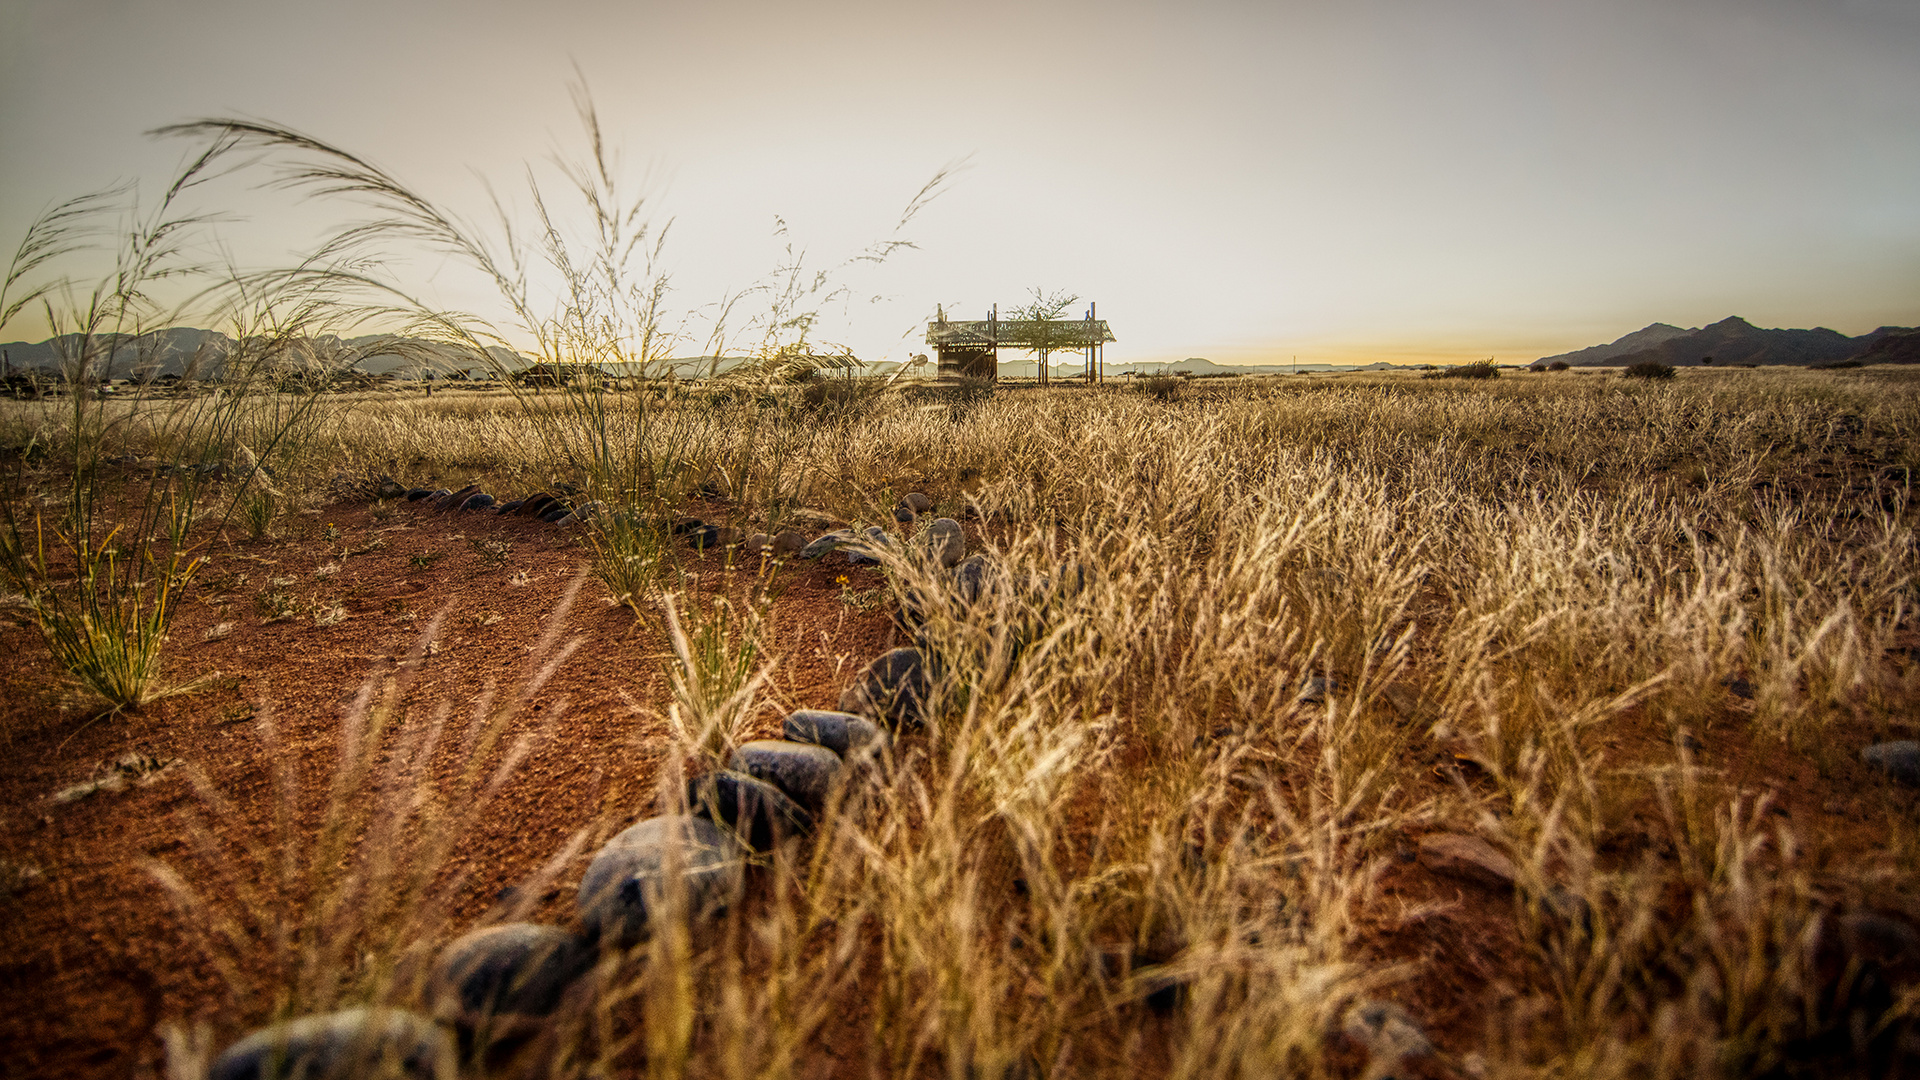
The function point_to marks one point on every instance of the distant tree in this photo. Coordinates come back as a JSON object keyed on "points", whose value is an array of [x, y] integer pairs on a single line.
{"points": [[1558, 365], [1650, 369], [1706, 359], [1047, 332]]}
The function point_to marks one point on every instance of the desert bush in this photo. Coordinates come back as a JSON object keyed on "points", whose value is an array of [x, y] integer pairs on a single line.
{"points": [[1479, 369], [1649, 369], [1162, 387], [1558, 365]]}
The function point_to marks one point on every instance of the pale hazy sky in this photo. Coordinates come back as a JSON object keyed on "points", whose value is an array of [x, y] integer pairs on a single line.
{"points": [[1244, 181]]}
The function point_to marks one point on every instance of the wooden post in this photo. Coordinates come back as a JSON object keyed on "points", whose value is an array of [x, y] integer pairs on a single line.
{"points": [[993, 339]]}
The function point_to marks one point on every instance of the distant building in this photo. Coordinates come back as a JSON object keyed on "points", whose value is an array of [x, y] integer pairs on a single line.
{"points": [[970, 349]]}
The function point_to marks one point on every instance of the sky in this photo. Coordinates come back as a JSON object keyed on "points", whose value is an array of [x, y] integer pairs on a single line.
{"points": [[1407, 180]]}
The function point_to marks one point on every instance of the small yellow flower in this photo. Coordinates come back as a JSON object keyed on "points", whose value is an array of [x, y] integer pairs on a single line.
{"points": [[842, 579]]}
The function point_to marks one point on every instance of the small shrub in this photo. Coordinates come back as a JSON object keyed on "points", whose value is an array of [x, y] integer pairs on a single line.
{"points": [[1162, 387], [1479, 369], [1650, 369], [628, 556], [1558, 365]]}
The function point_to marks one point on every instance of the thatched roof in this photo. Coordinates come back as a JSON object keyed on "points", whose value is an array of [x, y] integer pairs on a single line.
{"points": [[1019, 333]]}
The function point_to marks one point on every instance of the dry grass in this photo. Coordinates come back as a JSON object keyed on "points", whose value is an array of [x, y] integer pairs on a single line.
{"points": [[1123, 794]]}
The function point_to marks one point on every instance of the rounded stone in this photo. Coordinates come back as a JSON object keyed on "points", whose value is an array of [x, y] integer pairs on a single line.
{"points": [[454, 498], [843, 733], [916, 502], [509, 507], [892, 689], [943, 542], [478, 501], [631, 880], [758, 543], [827, 542], [788, 543], [760, 814], [970, 579], [903, 514], [804, 771], [866, 548], [343, 1045], [416, 494], [506, 980], [536, 504], [1899, 759], [556, 512]]}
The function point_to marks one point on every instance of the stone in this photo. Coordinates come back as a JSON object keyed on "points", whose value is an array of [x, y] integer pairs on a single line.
{"points": [[1899, 759], [509, 507], [478, 501], [943, 542], [505, 981], [687, 526], [827, 542], [556, 512], [1314, 691], [1467, 857], [867, 547], [757, 544], [760, 814], [970, 579], [804, 771], [788, 544], [416, 494], [1388, 1032], [342, 1045], [843, 733], [1879, 939], [903, 516], [453, 499], [916, 502], [535, 504], [387, 488], [892, 690], [631, 881]]}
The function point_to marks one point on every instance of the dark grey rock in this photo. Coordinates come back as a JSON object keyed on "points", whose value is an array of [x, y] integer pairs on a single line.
{"points": [[582, 514], [1388, 1032], [1899, 759], [505, 981], [943, 542], [454, 498], [902, 515], [827, 542], [843, 733], [687, 526], [535, 505], [759, 813], [509, 507], [386, 487], [478, 501], [892, 690], [916, 502], [554, 514], [970, 579], [868, 546], [416, 494], [757, 544], [787, 544], [804, 771], [343, 1045], [630, 882]]}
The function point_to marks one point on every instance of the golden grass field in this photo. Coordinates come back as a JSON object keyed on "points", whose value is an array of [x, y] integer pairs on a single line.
{"points": [[1249, 659]]}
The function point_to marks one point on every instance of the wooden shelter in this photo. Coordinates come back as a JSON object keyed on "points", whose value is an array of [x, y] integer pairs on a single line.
{"points": [[970, 349]]}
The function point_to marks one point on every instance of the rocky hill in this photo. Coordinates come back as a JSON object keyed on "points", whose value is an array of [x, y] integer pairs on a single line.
{"points": [[1731, 341]]}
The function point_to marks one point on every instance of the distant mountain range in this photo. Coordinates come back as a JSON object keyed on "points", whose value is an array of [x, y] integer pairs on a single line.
{"points": [[1735, 341]]}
